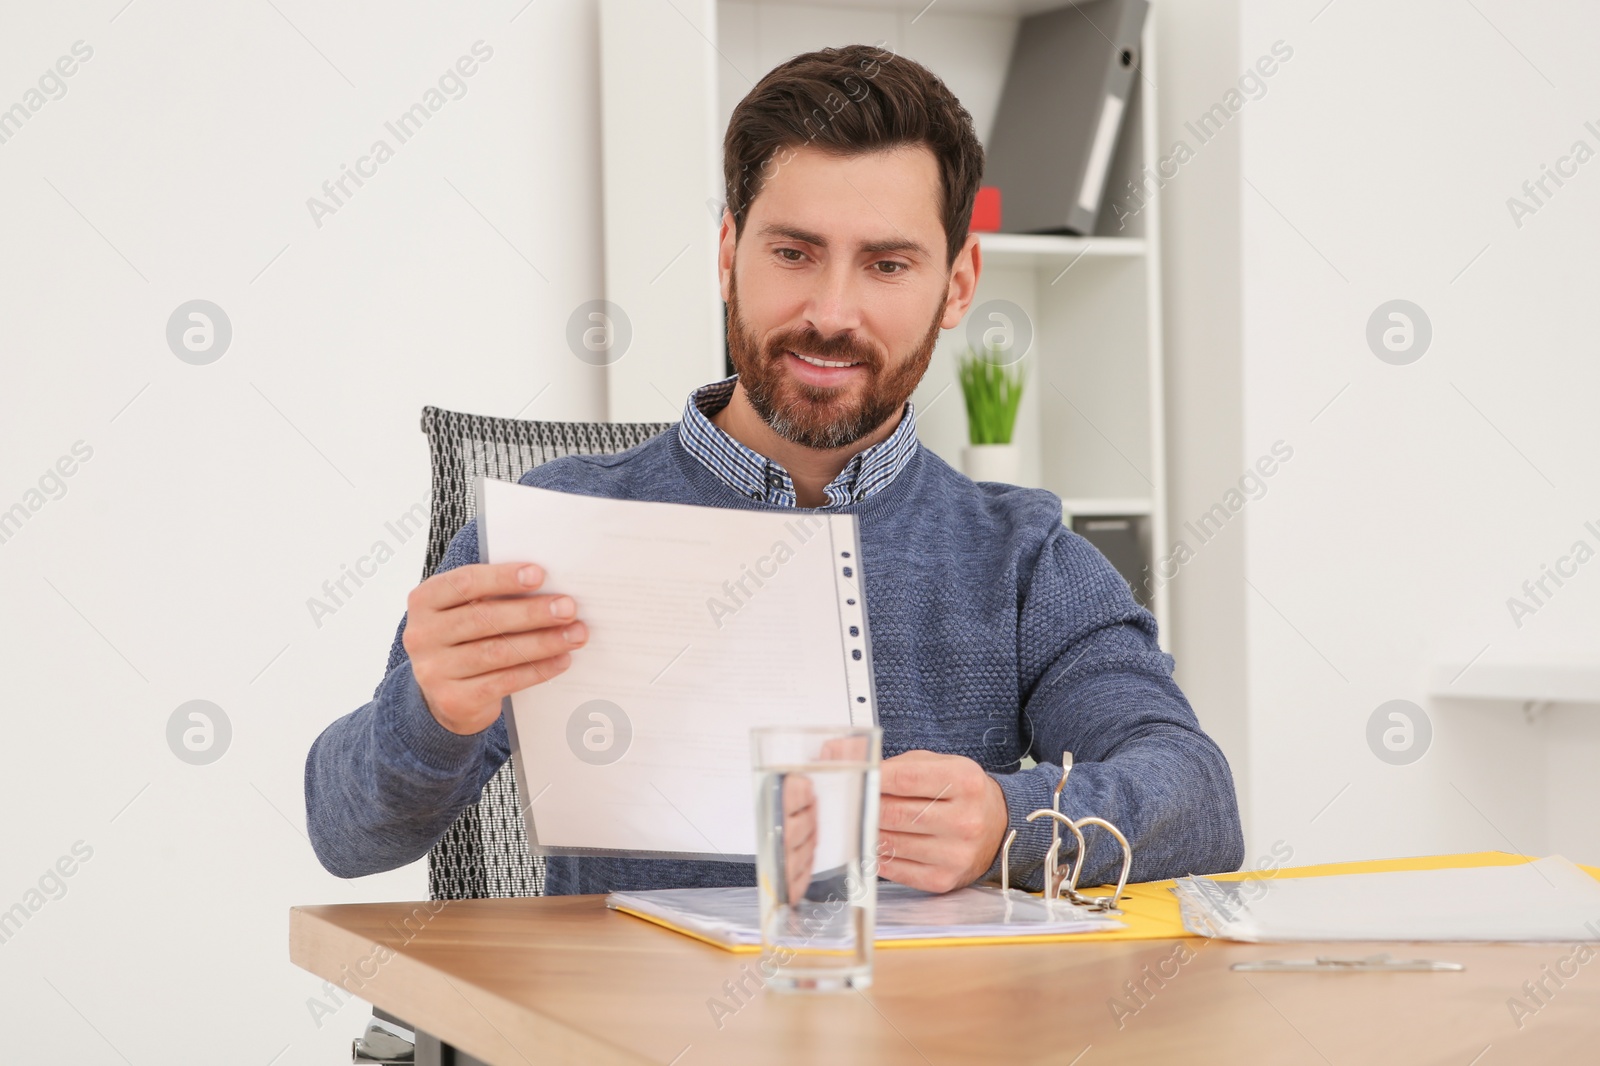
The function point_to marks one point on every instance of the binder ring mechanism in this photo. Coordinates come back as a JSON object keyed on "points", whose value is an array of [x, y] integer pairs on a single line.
{"points": [[1058, 884]]}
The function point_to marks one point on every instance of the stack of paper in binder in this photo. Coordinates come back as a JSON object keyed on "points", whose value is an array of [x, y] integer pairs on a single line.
{"points": [[1067, 92], [730, 917]]}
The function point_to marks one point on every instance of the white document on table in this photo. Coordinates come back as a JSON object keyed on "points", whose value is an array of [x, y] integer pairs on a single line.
{"points": [[1549, 899], [704, 622]]}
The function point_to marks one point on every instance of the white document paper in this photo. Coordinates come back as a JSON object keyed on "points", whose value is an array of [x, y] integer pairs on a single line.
{"points": [[1547, 900], [704, 622]]}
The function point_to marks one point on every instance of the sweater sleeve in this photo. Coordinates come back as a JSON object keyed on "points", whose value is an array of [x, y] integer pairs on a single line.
{"points": [[1102, 688], [386, 781]]}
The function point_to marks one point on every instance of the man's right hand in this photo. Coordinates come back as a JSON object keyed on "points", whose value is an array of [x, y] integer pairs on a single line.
{"points": [[475, 635]]}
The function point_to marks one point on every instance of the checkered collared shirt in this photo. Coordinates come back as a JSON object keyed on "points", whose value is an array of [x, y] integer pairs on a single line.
{"points": [[752, 474]]}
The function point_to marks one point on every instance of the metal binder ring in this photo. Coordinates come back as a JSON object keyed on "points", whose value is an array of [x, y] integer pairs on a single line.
{"points": [[1055, 885], [1103, 903], [1053, 880]]}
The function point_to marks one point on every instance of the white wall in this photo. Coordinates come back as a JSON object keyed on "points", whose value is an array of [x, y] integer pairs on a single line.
{"points": [[1421, 496], [1198, 46], [219, 498], [661, 143]]}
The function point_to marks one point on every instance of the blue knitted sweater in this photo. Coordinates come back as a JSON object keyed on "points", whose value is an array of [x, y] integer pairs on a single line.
{"points": [[996, 633]]}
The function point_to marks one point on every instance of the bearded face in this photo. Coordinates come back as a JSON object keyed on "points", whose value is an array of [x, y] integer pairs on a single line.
{"points": [[824, 407]]}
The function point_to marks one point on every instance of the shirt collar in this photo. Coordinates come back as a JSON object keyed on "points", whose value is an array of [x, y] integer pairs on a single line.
{"points": [[752, 474]]}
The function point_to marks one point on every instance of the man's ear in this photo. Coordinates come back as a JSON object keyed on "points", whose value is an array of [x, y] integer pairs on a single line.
{"points": [[727, 238], [963, 282]]}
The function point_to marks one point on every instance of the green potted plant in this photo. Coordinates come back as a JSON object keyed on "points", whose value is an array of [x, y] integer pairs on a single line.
{"points": [[993, 392]]}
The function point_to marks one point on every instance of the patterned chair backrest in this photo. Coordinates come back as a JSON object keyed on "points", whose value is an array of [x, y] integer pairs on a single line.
{"points": [[485, 853]]}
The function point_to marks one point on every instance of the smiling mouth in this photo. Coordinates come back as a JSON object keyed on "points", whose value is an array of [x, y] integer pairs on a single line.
{"points": [[830, 364]]}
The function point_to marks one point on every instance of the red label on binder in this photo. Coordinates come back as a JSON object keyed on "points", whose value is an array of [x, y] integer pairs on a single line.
{"points": [[986, 210]]}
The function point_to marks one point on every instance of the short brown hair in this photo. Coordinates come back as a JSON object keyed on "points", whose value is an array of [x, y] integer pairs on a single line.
{"points": [[851, 100]]}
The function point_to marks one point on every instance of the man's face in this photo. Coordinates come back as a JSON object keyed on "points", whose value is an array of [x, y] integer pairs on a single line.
{"points": [[842, 259]]}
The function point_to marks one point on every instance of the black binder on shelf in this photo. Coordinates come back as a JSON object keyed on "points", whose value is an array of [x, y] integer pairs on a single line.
{"points": [[1122, 539], [1061, 111]]}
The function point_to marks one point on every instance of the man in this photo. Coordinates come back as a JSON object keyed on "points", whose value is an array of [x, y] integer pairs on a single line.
{"points": [[997, 632]]}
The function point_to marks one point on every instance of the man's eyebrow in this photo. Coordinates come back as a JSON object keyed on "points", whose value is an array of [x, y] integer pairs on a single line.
{"points": [[883, 244]]}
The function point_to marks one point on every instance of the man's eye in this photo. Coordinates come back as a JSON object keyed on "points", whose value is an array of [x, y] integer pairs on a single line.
{"points": [[785, 252], [900, 268]]}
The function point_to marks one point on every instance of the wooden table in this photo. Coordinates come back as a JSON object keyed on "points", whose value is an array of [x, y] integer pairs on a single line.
{"points": [[563, 979]]}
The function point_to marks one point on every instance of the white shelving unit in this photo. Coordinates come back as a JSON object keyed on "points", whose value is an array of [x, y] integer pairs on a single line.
{"points": [[1101, 506], [1043, 250], [1534, 683], [1092, 420]]}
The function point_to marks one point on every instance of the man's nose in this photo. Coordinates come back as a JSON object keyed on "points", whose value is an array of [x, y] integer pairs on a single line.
{"points": [[835, 304]]}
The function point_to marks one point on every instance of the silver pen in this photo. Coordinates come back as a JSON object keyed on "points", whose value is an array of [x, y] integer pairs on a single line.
{"points": [[1332, 964]]}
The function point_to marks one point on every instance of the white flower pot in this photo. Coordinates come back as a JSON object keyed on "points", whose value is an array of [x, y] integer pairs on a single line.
{"points": [[992, 462]]}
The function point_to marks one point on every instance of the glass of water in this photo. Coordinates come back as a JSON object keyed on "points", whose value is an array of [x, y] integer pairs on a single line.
{"points": [[816, 854]]}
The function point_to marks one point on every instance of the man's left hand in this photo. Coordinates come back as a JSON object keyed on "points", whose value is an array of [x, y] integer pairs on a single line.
{"points": [[941, 820]]}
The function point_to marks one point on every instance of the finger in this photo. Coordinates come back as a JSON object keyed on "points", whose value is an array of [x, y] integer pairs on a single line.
{"points": [[499, 617], [798, 860], [451, 588], [914, 847], [921, 773], [495, 685], [844, 749], [799, 855], [799, 864], [912, 814], [798, 794], [800, 828], [799, 834], [799, 883], [804, 836], [467, 661], [920, 875]]}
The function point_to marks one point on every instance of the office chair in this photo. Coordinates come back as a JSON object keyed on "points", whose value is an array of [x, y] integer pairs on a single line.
{"points": [[484, 853]]}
